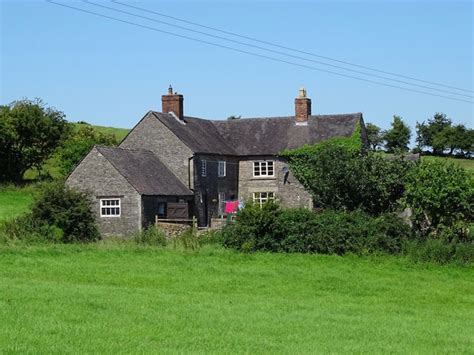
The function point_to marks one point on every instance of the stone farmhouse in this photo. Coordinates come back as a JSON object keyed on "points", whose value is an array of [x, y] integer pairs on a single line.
{"points": [[175, 166]]}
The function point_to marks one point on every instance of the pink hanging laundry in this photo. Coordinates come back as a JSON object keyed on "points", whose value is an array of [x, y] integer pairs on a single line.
{"points": [[231, 206]]}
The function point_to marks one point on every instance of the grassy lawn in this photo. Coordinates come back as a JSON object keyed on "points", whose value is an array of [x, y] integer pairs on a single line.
{"points": [[14, 201], [465, 163], [112, 298]]}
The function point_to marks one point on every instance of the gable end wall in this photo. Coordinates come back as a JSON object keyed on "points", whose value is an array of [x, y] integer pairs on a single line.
{"points": [[153, 135], [97, 176]]}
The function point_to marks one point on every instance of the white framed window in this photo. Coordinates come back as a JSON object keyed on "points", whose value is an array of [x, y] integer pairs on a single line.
{"points": [[262, 197], [263, 168], [203, 168], [110, 207], [221, 168]]}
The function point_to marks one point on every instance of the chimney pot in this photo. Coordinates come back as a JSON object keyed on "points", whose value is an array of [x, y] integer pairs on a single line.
{"points": [[302, 108]]}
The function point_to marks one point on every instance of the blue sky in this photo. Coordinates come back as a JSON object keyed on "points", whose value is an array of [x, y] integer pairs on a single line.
{"points": [[110, 73]]}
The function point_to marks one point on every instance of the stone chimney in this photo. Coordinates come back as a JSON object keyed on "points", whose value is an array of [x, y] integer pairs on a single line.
{"points": [[172, 102], [302, 108]]}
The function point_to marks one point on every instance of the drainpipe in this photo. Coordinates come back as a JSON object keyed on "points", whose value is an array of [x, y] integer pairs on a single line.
{"points": [[189, 172]]}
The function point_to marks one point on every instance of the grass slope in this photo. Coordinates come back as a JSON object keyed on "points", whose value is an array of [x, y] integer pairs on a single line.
{"points": [[14, 201], [128, 299]]}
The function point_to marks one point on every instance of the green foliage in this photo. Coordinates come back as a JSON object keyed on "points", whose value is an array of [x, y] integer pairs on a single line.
{"points": [[440, 252], [68, 210], [374, 135], [274, 229], [29, 134], [340, 177], [441, 196], [425, 132], [397, 138], [79, 144], [150, 236]]}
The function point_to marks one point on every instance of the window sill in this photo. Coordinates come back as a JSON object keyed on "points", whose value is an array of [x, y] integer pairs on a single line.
{"points": [[263, 178]]}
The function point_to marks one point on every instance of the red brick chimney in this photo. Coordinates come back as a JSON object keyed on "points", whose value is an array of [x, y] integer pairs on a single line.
{"points": [[172, 103], [302, 108]]}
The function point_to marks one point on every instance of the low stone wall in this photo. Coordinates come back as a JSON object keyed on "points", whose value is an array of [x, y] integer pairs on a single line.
{"points": [[173, 230], [217, 223]]}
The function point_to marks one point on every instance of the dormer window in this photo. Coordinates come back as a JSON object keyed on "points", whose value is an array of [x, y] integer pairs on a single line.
{"points": [[263, 168]]}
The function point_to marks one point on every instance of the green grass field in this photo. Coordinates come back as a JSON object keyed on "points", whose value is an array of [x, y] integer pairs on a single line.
{"points": [[467, 164], [108, 299], [14, 201]]}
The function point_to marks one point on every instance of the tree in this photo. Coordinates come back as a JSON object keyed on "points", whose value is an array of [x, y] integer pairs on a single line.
{"points": [[29, 134], [441, 196], [342, 178], [374, 135], [79, 144], [426, 132], [397, 138]]}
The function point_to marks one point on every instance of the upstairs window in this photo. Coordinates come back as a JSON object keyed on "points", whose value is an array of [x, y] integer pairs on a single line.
{"points": [[203, 168], [262, 197], [221, 168], [263, 169], [110, 207]]}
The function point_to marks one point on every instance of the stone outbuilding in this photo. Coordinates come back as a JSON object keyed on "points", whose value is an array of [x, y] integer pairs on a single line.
{"points": [[129, 188]]}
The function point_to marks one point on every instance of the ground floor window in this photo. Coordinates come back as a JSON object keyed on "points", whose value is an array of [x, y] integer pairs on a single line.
{"points": [[262, 197], [110, 207]]}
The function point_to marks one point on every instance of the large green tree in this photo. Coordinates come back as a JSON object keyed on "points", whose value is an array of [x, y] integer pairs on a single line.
{"points": [[374, 135], [29, 134], [339, 176], [426, 132], [398, 136]]}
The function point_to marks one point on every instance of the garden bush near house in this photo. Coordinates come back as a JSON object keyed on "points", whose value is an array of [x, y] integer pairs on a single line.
{"points": [[340, 176], [441, 196], [59, 214], [272, 228]]}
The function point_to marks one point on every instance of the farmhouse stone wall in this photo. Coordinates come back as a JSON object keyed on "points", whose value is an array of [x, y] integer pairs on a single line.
{"points": [[96, 176], [290, 194], [153, 135]]}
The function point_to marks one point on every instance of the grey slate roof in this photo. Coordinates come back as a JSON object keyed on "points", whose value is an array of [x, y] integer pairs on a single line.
{"points": [[257, 136], [200, 135], [262, 136], [145, 172]]}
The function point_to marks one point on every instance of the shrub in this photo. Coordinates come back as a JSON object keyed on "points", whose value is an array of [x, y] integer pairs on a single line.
{"points": [[151, 236], [440, 252], [441, 196], [272, 228], [255, 228], [68, 210], [339, 176]]}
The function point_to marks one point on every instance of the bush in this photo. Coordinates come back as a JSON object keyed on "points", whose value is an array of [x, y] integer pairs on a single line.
{"points": [[339, 176], [68, 210], [272, 228], [151, 236], [440, 252], [441, 196]]}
